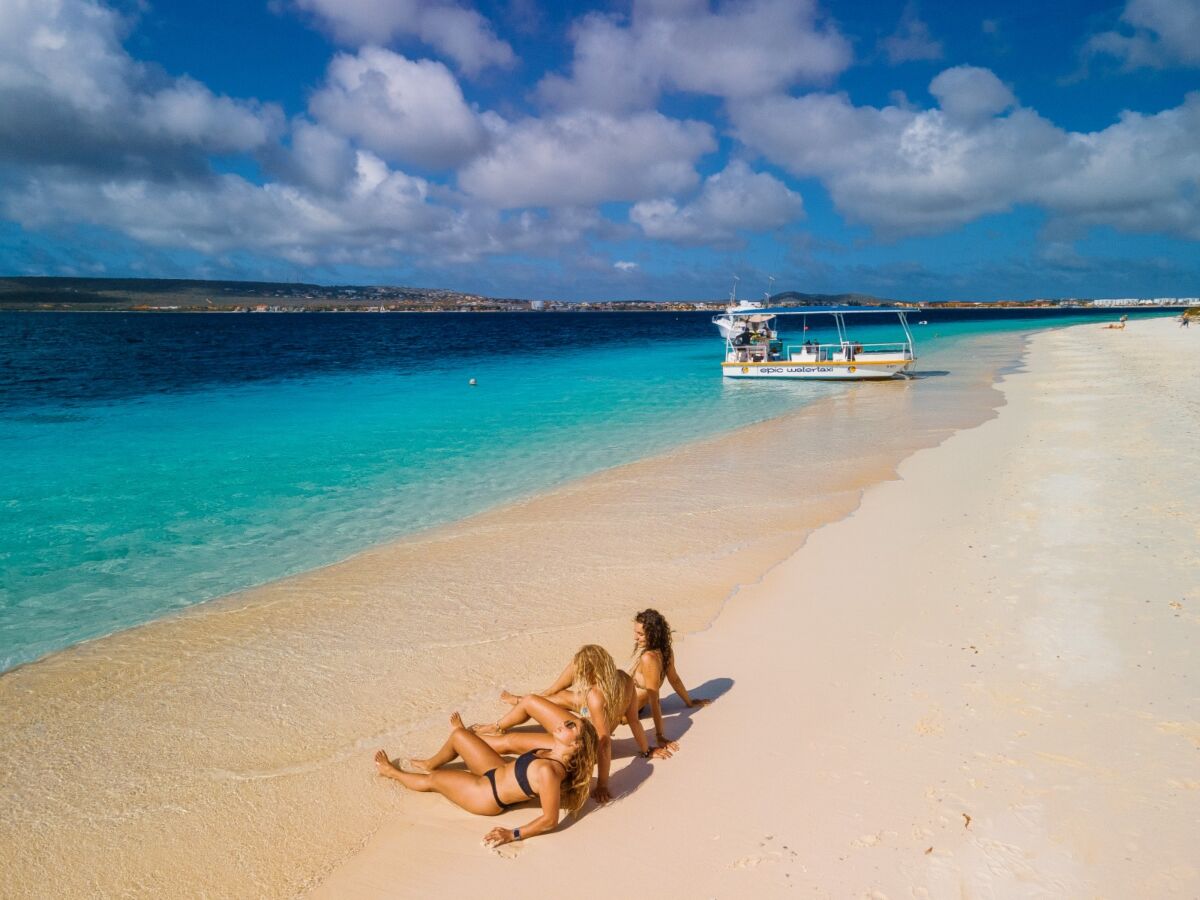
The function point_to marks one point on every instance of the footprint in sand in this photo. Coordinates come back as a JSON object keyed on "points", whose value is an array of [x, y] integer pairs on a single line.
{"points": [[930, 725], [506, 851], [770, 856], [753, 862]]}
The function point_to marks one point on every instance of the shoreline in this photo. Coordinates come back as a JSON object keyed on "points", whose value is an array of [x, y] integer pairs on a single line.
{"points": [[946, 728], [296, 679]]}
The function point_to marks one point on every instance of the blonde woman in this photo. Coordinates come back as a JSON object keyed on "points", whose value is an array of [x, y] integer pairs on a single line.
{"points": [[593, 686], [558, 773]]}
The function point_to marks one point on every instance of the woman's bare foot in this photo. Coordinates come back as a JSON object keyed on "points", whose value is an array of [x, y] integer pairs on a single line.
{"points": [[420, 766], [386, 766], [510, 698], [486, 728], [456, 721]]}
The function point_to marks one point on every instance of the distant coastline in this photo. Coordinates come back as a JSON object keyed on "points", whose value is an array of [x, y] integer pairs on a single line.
{"points": [[157, 295]]}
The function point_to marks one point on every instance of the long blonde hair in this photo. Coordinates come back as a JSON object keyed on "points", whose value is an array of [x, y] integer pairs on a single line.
{"points": [[578, 781], [594, 667]]}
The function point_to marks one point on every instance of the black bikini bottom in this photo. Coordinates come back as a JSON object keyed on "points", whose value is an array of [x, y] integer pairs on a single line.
{"points": [[490, 774]]}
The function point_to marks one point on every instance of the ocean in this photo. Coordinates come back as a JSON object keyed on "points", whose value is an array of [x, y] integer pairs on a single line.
{"points": [[152, 462]]}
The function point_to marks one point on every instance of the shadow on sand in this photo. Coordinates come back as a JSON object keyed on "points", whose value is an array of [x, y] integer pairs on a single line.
{"points": [[677, 720], [929, 373]]}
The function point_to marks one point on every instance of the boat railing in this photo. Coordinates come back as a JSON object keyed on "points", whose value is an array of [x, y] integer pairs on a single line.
{"points": [[846, 350]]}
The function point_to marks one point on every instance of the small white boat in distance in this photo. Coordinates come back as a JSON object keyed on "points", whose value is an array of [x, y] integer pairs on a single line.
{"points": [[753, 348], [725, 321]]}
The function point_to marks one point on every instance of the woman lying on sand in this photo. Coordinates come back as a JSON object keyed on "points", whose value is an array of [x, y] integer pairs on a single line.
{"points": [[558, 777], [593, 686], [653, 659]]}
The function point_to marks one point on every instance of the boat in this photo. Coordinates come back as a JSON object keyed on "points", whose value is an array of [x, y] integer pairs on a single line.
{"points": [[725, 321], [754, 348]]}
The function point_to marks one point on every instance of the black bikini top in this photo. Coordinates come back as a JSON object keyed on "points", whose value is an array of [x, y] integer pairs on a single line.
{"points": [[521, 770]]}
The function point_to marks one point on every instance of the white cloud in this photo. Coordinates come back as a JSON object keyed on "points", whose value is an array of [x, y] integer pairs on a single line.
{"points": [[624, 265], [403, 110], [190, 113], [318, 158], [72, 96], [738, 50], [911, 41], [734, 200], [1140, 174], [461, 34], [375, 216], [586, 157], [229, 213], [1164, 33], [969, 94], [906, 171], [88, 135]]}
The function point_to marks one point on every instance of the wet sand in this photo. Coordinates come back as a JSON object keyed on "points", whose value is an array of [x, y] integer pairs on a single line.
{"points": [[981, 684], [227, 750]]}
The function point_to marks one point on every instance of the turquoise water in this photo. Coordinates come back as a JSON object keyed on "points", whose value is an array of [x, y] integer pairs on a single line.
{"points": [[123, 501]]}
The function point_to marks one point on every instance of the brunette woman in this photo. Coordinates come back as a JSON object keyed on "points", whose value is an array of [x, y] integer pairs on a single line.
{"points": [[654, 660]]}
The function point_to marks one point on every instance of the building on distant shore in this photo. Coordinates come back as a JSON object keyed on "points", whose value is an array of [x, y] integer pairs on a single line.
{"points": [[1150, 301]]}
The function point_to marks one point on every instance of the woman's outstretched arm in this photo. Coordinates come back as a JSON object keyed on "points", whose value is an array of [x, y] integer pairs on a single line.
{"points": [[677, 683], [595, 701]]}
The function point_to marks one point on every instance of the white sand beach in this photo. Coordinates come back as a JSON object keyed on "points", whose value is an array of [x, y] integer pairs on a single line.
{"points": [[983, 683], [971, 679]]}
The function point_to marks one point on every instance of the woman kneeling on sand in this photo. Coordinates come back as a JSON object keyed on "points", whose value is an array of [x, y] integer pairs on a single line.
{"points": [[593, 686], [558, 775], [654, 659]]}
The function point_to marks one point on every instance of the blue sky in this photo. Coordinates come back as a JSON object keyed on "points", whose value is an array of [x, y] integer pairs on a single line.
{"points": [[652, 149]]}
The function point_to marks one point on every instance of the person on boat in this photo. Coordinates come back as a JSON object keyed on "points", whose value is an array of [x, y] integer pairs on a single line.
{"points": [[557, 775], [593, 686], [654, 661]]}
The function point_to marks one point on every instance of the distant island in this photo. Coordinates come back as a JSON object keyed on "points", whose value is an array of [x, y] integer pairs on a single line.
{"points": [[197, 296]]}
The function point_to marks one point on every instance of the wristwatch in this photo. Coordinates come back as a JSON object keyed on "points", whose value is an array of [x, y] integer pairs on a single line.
{"points": [[516, 834]]}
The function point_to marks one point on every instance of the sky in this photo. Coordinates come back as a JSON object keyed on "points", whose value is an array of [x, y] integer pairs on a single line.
{"points": [[653, 149]]}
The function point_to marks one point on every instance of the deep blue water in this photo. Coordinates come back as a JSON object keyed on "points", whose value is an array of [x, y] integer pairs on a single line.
{"points": [[149, 462]]}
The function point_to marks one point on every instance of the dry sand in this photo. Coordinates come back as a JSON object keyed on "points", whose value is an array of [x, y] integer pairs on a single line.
{"points": [[983, 683]]}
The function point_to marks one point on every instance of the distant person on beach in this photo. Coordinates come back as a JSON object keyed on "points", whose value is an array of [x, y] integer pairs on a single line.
{"points": [[654, 660], [558, 776], [593, 686]]}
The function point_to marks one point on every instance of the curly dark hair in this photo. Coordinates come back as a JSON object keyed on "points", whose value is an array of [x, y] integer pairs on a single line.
{"points": [[658, 634]]}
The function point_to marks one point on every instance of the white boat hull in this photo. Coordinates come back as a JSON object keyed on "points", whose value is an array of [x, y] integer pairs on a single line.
{"points": [[824, 371]]}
